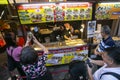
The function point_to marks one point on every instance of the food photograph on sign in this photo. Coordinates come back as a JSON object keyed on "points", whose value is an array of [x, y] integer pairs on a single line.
{"points": [[49, 14], [68, 14], [59, 12], [75, 14]]}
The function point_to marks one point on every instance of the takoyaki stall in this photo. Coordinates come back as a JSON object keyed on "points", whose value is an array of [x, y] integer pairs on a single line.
{"points": [[61, 51]]}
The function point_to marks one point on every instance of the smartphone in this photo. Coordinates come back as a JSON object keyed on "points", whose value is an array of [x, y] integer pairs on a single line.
{"points": [[89, 63], [30, 35]]}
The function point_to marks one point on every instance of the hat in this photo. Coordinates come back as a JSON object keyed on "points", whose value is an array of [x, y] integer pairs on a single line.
{"points": [[16, 53]]}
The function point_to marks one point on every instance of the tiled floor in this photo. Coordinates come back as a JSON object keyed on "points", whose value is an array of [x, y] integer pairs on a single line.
{"points": [[4, 75]]}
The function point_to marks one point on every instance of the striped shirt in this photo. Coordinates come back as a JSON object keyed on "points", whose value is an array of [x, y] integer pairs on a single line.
{"points": [[105, 43]]}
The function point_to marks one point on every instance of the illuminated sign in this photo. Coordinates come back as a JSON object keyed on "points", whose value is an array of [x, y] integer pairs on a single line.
{"points": [[107, 10], [52, 12], [3, 2]]}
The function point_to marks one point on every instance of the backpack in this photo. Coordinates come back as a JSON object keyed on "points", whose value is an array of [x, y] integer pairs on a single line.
{"points": [[111, 73], [12, 63]]}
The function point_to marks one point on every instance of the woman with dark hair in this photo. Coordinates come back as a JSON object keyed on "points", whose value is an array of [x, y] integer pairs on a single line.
{"points": [[111, 68], [13, 55], [34, 66]]}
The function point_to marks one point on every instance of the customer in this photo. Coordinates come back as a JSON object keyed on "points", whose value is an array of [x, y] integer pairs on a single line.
{"points": [[34, 66], [111, 58], [78, 70], [13, 54], [106, 42]]}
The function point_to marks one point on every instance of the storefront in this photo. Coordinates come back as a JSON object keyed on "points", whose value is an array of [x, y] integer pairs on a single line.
{"points": [[46, 20]]}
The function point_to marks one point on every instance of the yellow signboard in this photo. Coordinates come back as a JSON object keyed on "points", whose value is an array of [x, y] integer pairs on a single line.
{"points": [[107, 11], [52, 12], [78, 11], [66, 55], [36, 13], [3, 2]]}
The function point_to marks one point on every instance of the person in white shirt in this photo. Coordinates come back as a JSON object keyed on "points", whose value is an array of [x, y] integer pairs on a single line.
{"points": [[111, 58]]}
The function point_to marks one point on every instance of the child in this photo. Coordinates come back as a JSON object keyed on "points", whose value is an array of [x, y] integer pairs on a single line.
{"points": [[33, 66]]}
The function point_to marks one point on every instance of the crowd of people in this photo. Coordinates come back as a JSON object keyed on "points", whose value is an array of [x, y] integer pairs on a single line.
{"points": [[26, 59], [28, 64]]}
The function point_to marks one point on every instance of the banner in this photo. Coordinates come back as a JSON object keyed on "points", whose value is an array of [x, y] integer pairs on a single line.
{"points": [[107, 11], [3, 2]]}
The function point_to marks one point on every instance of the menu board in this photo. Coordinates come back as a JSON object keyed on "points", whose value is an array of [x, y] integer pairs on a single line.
{"points": [[107, 11], [52, 12], [78, 11], [36, 13], [3, 2]]}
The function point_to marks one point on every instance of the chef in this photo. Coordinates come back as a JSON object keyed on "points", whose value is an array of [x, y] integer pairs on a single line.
{"points": [[68, 31]]}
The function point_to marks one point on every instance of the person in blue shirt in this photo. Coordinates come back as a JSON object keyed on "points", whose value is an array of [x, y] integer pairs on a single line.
{"points": [[106, 42]]}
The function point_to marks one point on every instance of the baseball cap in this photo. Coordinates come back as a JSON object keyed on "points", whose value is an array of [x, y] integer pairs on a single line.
{"points": [[16, 53]]}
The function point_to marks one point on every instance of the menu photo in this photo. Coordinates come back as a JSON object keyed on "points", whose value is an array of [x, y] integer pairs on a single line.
{"points": [[59, 12]]}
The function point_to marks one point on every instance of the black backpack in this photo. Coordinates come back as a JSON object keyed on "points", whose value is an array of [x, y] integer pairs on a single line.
{"points": [[111, 73]]}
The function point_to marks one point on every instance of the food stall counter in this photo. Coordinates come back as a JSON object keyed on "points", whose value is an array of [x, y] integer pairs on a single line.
{"points": [[64, 52]]}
